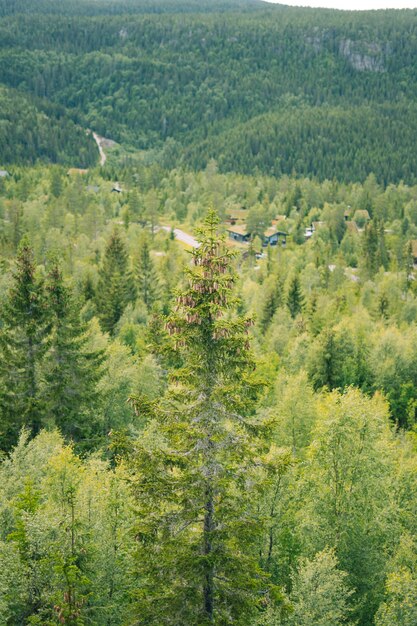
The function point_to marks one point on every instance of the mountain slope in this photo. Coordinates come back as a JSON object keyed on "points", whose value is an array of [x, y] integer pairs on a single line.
{"points": [[235, 74]]}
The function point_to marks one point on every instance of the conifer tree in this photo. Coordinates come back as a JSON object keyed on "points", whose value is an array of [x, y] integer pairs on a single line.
{"points": [[295, 299], [115, 288], [273, 299], [22, 348], [408, 263], [197, 463], [70, 371], [374, 250], [148, 282]]}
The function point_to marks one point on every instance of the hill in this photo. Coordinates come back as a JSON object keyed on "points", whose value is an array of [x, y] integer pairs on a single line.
{"points": [[323, 93]]}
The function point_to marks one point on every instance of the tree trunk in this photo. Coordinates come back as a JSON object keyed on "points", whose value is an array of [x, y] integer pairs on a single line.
{"points": [[209, 573]]}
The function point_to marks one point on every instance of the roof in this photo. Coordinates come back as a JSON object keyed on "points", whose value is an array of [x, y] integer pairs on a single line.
{"points": [[362, 213], [239, 229], [4, 173], [352, 227], [317, 225], [270, 232]]}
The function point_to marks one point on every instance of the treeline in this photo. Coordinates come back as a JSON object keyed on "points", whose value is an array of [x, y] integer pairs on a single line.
{"points": [[107, 7], [193, 79]]}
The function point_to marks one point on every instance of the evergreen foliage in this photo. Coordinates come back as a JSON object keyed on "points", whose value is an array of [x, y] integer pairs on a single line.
{"points": [[257, 87], [295, 299], [196, 473], [23, 344], [115, 287], [148, 281], [71, 370]]}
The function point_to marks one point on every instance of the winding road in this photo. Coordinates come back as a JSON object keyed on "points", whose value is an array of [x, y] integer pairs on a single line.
{"points": [[98, 141], [182, 236]]}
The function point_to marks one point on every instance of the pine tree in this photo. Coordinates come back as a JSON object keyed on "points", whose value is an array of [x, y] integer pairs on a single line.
{"points": [[148, 282], [273, 299], [197, 464], [22, 348], [370, 249], [55, 184], [70, 371], [115, 287], [408, 263], [295, 299]]}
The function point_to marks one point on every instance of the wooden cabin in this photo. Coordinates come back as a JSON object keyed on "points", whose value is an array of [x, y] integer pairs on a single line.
{"points": [[239, 233], [273, 237]]}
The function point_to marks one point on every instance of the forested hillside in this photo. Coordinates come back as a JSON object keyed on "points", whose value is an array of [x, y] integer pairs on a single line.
{"points": [[254, 86]]}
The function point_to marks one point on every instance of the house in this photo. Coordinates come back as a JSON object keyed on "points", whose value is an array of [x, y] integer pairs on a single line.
{"points": [[239, 233], [316, 225], [273, 236], [117, 188], [312, 229], [4, 174]]}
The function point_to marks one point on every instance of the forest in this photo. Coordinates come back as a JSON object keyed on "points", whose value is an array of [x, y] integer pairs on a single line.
{"points": [[258, 88], [208, 339], [116, 357]]}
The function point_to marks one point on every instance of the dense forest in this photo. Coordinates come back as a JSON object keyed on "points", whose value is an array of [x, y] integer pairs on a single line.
{"points": [[258, 88], [297, 363], [208, 344]]}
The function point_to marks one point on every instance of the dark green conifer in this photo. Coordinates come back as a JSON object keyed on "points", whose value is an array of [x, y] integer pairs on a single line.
{"points": [[23, 344], [198, 463], [273, 299], [71, 370], [295, 298], [148, 282], [115, 288]]}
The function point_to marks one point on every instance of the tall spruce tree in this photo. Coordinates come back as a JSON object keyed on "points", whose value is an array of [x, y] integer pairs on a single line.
{"points": [[295, 298], [148, 283], [115, 288], [197, 464], [71, 370], [22, 345]]}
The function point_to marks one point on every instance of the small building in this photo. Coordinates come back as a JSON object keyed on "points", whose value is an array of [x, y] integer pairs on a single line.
{"points": [[117, 188], [310, 230], [4, 174], [316, 225], [273, 236], [239, 233]]}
